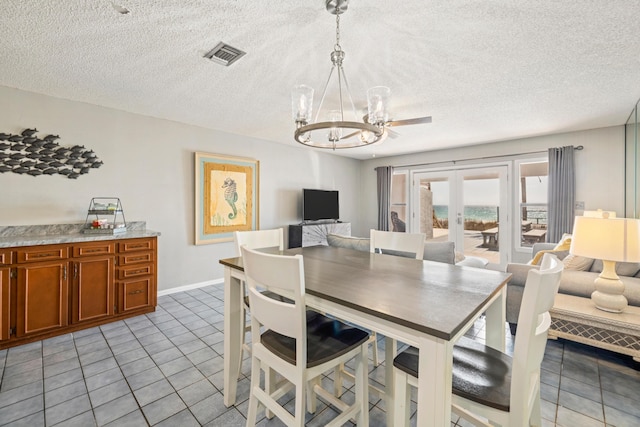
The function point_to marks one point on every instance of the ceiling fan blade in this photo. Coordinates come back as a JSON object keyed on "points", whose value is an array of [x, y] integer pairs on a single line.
{"points": [[392, 133], [416, 121], [351, 134]]}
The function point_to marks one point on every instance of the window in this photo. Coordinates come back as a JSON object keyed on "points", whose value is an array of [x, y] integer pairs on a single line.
{"points": [[533, 207], [398, 208]]}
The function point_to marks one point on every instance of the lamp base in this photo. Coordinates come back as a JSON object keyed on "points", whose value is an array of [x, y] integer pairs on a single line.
{"points": [[609, 289]]}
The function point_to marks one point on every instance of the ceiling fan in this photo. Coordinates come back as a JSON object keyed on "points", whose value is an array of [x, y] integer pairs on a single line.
{"points": [[393, 123], [405, 122]]}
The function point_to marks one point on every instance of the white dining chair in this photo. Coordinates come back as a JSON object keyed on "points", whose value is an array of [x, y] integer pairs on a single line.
{"points": [[394, 243], [397, 243], [297, 343], [490, 387], [254, 239]]}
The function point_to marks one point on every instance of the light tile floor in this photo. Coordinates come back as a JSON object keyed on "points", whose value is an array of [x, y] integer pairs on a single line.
{"points": [[165, 369]]}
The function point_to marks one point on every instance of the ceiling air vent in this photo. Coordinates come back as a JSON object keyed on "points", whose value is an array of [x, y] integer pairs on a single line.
{"points": [[224, 54]]}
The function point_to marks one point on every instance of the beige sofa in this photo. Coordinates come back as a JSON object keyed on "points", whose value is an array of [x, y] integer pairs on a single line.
{"points": [[573, 282]]}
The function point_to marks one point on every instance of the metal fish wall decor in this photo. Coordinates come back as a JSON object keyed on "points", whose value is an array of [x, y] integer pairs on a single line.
{"points": [[28, 154]]}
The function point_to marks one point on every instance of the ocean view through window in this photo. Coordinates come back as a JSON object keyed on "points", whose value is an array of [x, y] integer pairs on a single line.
{"points": [[533, 210], [535, 213]]}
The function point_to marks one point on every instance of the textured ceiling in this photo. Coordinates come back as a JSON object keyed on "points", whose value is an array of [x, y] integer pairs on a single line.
{"points": [[484, 70]]}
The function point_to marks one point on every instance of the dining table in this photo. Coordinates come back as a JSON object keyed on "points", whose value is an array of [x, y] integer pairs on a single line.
{"points": [[426, 304]]}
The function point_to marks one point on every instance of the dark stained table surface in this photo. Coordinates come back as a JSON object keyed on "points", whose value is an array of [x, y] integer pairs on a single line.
{"points": [[431, 297]]}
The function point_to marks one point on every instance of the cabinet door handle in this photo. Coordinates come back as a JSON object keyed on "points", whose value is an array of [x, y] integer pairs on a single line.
{"points": [[137, 291], [138, 271], [138, 258], [64, 272], [42, 255]]}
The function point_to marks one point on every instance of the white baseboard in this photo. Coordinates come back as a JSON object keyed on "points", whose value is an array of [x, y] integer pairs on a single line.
{"points": [[190, 287]]}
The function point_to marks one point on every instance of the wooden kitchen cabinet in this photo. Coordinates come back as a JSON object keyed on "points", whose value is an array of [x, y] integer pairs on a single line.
{"points": [[5, 285], [92, 295], [5, 273], [136, 274], [48, 290], [42, 297]]}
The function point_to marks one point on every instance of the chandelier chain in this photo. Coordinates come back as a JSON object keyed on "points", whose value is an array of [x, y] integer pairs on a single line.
{"points": [[338, 47]]}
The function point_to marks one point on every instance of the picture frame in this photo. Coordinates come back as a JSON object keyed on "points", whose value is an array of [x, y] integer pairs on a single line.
{"points": [[226, 196]]}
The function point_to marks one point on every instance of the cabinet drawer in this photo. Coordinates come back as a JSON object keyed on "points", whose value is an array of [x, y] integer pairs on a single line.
{"points": [[93, 249], [132, 245], [5, 256], [135, 258], [136, 294], [41, 253], [135, 270]]}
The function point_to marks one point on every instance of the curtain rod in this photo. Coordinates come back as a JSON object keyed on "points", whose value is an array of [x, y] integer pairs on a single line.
{"points": [[579, 147]]}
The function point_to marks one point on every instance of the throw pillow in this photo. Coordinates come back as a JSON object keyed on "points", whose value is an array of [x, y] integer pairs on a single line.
{"points": [[440, 252], [576, 262], [563, 245], [348, 242]]}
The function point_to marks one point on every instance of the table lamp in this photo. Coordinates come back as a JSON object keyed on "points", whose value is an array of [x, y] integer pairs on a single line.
{"points": [[600, 235]]}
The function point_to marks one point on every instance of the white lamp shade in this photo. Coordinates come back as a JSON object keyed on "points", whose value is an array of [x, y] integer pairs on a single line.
{"points": [[611, 239]]}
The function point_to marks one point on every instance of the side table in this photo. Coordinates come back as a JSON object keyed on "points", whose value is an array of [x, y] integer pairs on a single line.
{"points": [[577, 319]]}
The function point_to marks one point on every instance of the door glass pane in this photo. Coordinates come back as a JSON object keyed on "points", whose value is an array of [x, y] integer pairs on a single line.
{"points": [[533, 202], [398, 210], [434, 208], [481, 200]]}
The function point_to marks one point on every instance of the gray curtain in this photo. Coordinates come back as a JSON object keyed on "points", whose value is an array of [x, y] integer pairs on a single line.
{"points": [[561, 192], [384, 196]]}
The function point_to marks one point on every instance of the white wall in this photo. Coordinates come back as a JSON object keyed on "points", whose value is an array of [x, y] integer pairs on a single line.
{"points": [[149, 165], [599, 167]]}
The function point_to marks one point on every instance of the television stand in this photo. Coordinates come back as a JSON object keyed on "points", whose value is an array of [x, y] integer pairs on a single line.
{"points": [[314, 234]]}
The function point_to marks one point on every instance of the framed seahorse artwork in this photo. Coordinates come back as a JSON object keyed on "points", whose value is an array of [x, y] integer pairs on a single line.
{"points": [[226, 198]]}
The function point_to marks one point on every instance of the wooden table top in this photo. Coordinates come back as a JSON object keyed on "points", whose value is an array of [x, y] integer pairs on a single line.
{"points": [[431, 297]]}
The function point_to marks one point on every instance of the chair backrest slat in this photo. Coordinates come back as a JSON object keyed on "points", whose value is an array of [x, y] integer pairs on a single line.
{"points": [[258, 239], [397, 241]]}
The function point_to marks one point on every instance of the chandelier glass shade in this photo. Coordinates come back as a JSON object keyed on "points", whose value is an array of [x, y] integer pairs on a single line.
{"points": [[333, 129]]}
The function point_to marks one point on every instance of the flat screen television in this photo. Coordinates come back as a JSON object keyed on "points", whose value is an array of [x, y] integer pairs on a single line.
{"points": [[320, 205]]}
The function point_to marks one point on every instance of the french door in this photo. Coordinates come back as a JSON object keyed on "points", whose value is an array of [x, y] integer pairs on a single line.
{"points": [[466, 206]]}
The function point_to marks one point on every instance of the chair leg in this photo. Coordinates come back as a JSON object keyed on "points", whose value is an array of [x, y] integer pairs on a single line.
{"points": [[535, 417], [253, 400], [311, 395], [337, 380], [299, 413], [362, 386], [243, 331], [270, 387], [390, 351], [401, 402], [376, 361]]}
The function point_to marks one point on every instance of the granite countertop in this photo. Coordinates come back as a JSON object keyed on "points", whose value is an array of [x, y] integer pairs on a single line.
{"points": [[32, 235]]}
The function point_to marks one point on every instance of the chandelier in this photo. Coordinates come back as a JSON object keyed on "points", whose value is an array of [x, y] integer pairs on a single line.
{"points": [[336, 132]]}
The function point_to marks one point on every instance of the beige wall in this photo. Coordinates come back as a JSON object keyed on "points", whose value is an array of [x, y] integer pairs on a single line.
{"points": [[149, 164]]}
